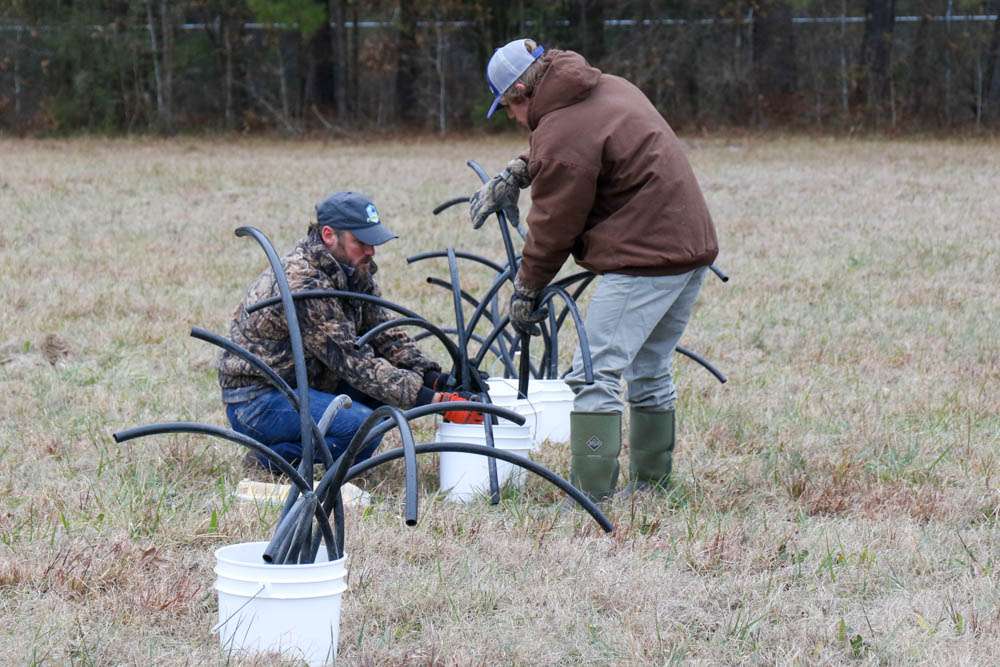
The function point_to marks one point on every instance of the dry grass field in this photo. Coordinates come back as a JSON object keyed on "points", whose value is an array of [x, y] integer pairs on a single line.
{"points": [[837, 501]]}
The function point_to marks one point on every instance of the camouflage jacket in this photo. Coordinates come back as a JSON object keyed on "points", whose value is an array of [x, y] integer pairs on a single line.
{"points": [[390, 368]]}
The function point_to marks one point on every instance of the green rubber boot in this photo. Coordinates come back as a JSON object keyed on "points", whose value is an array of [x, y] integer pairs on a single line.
{"points": [[651, 438], [595, 442]]}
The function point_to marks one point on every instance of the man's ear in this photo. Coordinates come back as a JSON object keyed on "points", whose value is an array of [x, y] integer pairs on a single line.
{"points": [[329, 237], [520, 87]]}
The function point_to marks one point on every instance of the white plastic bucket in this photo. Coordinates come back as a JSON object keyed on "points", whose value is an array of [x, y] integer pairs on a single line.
{"points": [[503, 392], [293, 610], [547, 407], [465, 476], [554, 400]]}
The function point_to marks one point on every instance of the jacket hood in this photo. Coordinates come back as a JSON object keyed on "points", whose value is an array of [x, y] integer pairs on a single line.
{"points": [[568, 80]]}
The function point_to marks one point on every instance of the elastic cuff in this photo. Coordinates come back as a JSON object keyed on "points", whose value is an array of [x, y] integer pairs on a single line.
{"points": [[424, 397]]}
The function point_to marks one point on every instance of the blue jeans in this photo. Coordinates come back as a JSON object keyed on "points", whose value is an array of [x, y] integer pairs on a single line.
{"points": [[271, 420]]}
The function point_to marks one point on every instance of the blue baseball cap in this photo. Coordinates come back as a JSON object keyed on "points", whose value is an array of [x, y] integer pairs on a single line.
{"points": [[355, 213], [507, 64]]}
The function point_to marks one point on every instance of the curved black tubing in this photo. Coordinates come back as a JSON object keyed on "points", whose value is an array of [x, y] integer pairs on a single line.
{"points": [[276, 380], [508, 245], [219, 432], [488, 343], [552, 350], [491, 464], [431, 329], [704, 363], [295, 338], [226, 434], [581, 332], [456, 294], [476, 337], [584, 284], [440, 408], [251, 358], [573, 278], [524, 372], [491, 314], [458, 253], [719, 272], [491, 293], [334, 478], [469, 299], [335, 293], [448, 204], [286, 525], [501, 454]]}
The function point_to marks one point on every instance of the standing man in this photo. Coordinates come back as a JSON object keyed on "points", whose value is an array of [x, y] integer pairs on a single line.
{"points": [[610, 184], [337, 254]]}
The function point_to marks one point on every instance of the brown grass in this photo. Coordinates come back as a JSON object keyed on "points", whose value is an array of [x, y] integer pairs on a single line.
{"points": [[836, 501]]}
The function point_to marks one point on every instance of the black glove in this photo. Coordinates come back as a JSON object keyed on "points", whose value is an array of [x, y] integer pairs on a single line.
{"points": [[438, 381], [524, 311], [500, 193]]}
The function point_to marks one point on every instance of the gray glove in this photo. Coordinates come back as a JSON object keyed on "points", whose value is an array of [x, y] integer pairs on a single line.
{"points": [[524, 311], [500, 193]]}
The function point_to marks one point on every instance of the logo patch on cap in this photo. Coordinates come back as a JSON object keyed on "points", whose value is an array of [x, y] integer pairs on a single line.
{"points": [[594, 443], [372, 213]]}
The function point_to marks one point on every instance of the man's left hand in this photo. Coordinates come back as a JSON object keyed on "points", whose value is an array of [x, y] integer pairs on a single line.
{"points": [[500, 193]]}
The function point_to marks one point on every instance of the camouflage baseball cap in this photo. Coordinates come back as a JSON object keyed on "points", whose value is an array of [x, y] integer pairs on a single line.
{"points": [[355, 213]]}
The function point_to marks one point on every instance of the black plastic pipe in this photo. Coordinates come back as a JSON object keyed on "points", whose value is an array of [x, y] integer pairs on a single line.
{"points": [[488, 342], [495, 349], [501, 454], [276, 380], [490, 295], [335, 293], [240, 439], [448, 204], [471, 300], [524, 372], [295, 338], [720, 273], [553, 347], [491, 464], [334, 478], [456, 297], [581, 331], [485, 261], [432, 330], [704, 363]]}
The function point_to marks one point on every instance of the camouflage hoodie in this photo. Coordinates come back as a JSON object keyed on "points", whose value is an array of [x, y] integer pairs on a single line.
{"points": [[389, 369]]}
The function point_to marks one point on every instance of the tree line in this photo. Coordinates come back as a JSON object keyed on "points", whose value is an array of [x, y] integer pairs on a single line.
{"points": [[346, 65]]}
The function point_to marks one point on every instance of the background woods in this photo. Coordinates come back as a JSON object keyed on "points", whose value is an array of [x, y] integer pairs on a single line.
{"points": [[336, 65]]}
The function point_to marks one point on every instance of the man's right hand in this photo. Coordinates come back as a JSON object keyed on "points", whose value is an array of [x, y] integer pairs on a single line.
{"points": [[500, 193], [459, 416], [524, 311]]}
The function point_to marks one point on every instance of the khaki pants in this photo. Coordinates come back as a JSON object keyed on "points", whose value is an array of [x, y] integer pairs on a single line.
{"points": [[633, 325]]}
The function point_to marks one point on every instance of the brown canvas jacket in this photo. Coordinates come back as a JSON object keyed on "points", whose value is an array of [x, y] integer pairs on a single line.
{"points": [[610, 182], [389, 369]]}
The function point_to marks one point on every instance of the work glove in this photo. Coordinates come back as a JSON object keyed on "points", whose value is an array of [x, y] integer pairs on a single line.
{"points": [[438, 381], [459, 416], [500, 193], [446, 383], [524, 311]]}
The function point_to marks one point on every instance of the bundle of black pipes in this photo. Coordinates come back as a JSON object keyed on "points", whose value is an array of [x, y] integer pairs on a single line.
{"points": [[295, 539]]}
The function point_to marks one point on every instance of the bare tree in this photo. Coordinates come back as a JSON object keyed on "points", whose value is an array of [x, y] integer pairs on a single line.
{"points": [[339, 38]]}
